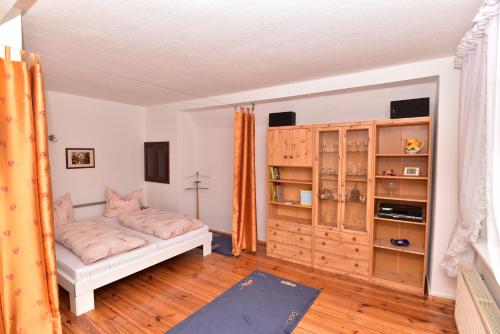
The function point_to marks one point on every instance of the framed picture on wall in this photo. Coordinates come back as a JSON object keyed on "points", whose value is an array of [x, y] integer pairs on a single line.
{"points": [[80, 158]]}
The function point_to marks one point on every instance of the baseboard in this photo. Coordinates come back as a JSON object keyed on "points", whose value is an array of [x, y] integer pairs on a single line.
{"points": [[260, 242], [442, 300]]}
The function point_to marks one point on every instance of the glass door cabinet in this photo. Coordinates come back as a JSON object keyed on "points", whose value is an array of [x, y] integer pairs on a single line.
{"points": [[329, 167], [343, 178]]}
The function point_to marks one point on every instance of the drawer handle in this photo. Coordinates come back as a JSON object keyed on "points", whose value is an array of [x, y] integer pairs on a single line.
{"points": [[356, 249], [277, 225], [284, 157], [274, 246], [291, 157], [356, 265], [322, 257], [323, 243], [326, 234], [274, 233], [353, 238], [300, 252], [299, 229], [301, 239]]}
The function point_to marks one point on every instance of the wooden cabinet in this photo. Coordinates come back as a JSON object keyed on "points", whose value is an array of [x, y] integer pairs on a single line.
{"points": [[343, 189], [290, 146], [289, 222], [343, 165]]}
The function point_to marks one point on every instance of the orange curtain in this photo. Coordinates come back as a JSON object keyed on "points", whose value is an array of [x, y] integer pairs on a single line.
{"points": [[29, 300], [244, 203]]}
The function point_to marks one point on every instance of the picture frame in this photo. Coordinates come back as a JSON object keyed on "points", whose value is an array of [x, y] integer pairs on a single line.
{"points": [[411, 171], [77, 158]]}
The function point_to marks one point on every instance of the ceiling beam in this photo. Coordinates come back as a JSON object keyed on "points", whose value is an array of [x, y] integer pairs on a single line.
{"points": [[5, 8], [11, 8]]}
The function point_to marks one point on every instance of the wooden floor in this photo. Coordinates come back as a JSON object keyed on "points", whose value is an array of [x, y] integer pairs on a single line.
{"points": [[156, 299]]}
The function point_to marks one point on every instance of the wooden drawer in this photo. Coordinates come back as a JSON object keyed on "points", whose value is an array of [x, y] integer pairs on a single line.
{"points": [[358, 239], [339, 264], [340, 248], [289, 238], [289, 253], [332, 235], [327, 245], [289, 226]]}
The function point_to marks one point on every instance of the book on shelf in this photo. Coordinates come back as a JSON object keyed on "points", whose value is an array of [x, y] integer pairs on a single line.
{"points": [[274, 194], [279, 193], [275, 173]]}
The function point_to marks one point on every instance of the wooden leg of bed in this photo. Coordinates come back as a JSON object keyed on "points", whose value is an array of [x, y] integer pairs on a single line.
{"points": [[82, 303], [207, 248]]}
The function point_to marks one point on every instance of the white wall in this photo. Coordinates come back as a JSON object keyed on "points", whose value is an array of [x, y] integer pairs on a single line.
{"points": [[445, 202], [163, 123], [11, 34], [214, 129], [116, 131]]}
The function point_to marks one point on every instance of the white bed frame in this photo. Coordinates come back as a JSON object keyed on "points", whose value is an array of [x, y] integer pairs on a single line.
{"points": [[81, 292]]}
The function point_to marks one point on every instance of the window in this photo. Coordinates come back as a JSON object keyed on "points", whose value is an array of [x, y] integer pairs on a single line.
{"points": [[157, 162]]}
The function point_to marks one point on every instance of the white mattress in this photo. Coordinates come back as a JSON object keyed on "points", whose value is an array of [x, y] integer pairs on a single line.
{"points": [[72, 266]]}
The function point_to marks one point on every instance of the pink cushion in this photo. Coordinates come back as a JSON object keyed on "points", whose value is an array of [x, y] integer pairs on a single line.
{"points": [[63, 210], [160, 223], [117, 204], [92, 240]]}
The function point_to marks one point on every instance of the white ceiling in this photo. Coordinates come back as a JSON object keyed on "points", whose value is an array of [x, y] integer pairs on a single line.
{"points": [[153, 52]]}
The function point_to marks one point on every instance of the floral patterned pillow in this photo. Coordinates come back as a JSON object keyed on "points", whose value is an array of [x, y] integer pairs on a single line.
{"points": [[92, 240], [63, 210], [117, 204]]}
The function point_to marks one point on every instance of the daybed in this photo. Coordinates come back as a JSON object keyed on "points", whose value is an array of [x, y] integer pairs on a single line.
{"points": [[81, 280]]}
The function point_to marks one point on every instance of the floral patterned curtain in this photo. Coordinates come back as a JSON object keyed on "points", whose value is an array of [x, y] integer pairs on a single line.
{"points": [[28, 291]]}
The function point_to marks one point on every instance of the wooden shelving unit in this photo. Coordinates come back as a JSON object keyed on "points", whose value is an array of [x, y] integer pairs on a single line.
{"points": [[289, 225], [343, 165], [291, 181], [419, 250], [400, 177], [292, 205], [401, 155], [291, 219], [394, 266], [402, 198], [397, 221]]}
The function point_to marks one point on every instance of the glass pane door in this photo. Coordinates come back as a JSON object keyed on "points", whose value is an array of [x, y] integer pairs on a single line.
{"points": [[355, 175], [329, 185]]}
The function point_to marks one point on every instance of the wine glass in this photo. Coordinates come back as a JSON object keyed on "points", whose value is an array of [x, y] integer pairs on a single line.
{"points": [[391, 187]]}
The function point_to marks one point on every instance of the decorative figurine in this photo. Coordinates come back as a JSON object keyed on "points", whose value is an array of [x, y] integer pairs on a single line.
{"points": [[388, 172], [400, 242], [362, 198], [413, 146], [355, 194], [326, 194]]}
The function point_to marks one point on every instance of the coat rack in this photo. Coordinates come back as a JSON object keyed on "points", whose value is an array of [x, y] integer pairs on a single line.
{"points": [[197, 185]]}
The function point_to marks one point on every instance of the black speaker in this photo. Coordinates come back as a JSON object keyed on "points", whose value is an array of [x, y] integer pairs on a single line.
{"points": [[410, 108], [282, 118]]}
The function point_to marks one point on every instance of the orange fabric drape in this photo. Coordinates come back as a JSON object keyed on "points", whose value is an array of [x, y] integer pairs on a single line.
{"points": [[244, 224], [29, 301]]}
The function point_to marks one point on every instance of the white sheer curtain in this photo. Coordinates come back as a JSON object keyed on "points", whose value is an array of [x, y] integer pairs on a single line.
{"points": [[479, 140], [493, 143]]}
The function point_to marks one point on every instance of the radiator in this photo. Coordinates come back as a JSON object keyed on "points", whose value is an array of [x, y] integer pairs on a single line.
{"points": [[475, 310]]}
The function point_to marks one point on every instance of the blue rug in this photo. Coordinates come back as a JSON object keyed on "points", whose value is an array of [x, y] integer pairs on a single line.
{"points": [[222, 244], [260, 303]]}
